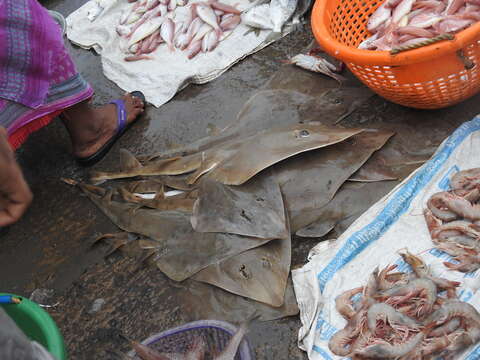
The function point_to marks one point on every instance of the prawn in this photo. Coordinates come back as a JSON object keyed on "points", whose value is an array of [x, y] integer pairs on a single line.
{"points": [[381, 349], [341, 343], [433, 223], [447, 328], [421, 270], [390, 316], [412, 289], [452, 309], [437, 204], [466, 263], [387, 280], [344, 304], [465, 181]]}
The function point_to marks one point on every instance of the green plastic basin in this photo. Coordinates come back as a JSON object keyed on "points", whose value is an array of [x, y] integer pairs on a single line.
{"points": [[37, 325]]}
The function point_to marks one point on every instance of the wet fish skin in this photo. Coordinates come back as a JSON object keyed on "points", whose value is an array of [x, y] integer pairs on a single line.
{"points": [[167, 32], [172, 5], [402, 9], [379, 17], [225, 8], [146, 29], [194, 48], [207, 14], [193, 28], [202, 31], [181, 41], [209, 42], [230, 23]]}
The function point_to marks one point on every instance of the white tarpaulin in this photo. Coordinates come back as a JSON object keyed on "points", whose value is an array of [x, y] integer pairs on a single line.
{"points": [[394, 223], [159, 79]]}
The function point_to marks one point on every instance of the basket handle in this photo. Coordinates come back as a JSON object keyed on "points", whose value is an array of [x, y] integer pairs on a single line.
{"points": [[422, 43]]}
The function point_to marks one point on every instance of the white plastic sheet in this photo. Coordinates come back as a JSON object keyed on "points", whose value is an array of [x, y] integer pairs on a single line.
{"points": [[393, 224], [159, 79]]}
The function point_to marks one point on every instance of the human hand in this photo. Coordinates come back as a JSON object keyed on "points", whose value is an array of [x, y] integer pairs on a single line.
{"points": [[15, 195]]}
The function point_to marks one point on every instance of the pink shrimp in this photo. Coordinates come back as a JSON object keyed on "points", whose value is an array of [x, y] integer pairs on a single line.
{"points": [[465, 181], [438, 207], [401, 294], [452, 309], [466, 263], [341, 342], [389, 316], [344, 304], [447, 328], [381, 349]]}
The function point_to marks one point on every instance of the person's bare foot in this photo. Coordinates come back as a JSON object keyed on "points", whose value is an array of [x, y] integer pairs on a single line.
{"points": [[91, 128]]}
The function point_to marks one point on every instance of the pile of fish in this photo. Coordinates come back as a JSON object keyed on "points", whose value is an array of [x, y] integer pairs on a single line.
{"points": [[400, 315], [453, 219], [401, 23], [223, 214], [148, 24]]}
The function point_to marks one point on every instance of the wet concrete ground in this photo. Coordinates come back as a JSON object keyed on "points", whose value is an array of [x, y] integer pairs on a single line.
{"points": [[50, 246]]}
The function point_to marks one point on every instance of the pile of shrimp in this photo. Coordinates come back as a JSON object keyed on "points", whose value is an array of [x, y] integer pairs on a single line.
{"points": [[405, 316], [453, 219]]}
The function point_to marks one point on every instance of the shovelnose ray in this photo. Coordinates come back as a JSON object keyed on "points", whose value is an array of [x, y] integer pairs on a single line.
{"points": [[310, 181], [183, 251], [268, 147], [374, 170], [199, 300], [131, 167], [260, 274], [352, 200], [254, 209]]}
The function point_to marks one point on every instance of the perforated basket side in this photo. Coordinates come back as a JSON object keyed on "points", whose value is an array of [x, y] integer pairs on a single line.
{"points": [[216, 335], [431, 77]]}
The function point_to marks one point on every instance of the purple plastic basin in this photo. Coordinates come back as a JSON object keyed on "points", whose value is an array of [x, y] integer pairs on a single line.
{"points": [[216, 335]]}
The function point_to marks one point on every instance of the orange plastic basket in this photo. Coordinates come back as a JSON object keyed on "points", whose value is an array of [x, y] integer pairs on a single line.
{"points": [[430, 77]]}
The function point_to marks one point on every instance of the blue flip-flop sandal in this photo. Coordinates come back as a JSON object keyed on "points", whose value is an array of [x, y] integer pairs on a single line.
{"points": [[122, 127]]}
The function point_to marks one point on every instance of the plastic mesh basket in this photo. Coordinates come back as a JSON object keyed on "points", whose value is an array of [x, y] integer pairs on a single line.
{"points": [[430, 77], [216, 335]]}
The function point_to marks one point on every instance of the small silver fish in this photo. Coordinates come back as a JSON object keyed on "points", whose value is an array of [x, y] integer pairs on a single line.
{"points": [[172, 5], [280, 12], [209, 42], [224, 7], [207, 14], [167, 31], [151, 4], [194, 48], [402, 9], [230, 23], [204, 30], [380, 15], [181, 41], [193, 28], [146, 29], [123, 30]]}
